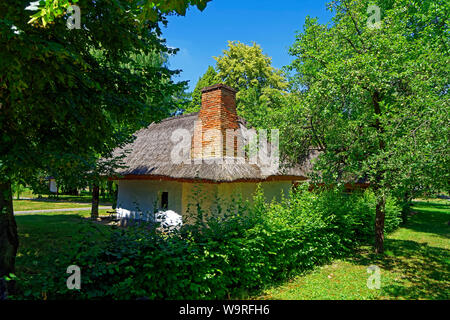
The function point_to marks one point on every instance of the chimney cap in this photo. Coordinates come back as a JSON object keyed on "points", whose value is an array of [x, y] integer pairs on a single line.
{"points": [[217, 87]]}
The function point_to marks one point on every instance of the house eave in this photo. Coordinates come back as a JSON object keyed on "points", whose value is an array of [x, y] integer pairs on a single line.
{"points": [[197, 180]]}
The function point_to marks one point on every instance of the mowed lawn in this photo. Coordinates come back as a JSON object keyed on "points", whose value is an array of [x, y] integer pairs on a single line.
{"points": [[45, 241], [416, 264], [25, 205], [46, 204]]}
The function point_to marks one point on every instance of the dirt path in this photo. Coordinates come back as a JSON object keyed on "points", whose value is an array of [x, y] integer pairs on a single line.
{"points": [[59, 210]]}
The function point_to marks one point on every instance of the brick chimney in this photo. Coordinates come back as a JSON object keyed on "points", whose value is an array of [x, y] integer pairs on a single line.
{"points": [[216, 116]]}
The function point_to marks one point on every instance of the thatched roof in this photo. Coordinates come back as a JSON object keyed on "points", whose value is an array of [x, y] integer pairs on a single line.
{"points": [[149, 156]]}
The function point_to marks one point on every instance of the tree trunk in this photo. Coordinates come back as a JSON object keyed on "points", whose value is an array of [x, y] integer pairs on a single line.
{"points": [[115, 196], [110, 189], [9, 239], [95, 200], [102, 192], [379, 224]]}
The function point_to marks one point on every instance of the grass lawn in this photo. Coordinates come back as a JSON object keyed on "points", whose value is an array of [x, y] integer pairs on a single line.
{"points": [[22, 205], [416, 264], [45, 239]]}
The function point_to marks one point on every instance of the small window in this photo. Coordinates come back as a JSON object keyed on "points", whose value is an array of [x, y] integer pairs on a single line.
{"points": [[165, 200]]}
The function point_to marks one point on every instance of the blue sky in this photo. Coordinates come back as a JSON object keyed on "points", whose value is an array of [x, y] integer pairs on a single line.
{"points": [[271, 24]]}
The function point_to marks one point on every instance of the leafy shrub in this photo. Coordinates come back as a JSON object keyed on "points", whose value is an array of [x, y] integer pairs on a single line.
{"points": [[354, 213]]}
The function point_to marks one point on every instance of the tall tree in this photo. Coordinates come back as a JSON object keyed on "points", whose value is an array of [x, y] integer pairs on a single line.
{"points": [[66, 95], [261, 87], [243, 66], [374, 97], [208, 79]]}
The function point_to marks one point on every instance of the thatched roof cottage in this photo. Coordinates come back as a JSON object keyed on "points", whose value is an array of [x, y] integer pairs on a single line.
{"points": [[200, 157]]}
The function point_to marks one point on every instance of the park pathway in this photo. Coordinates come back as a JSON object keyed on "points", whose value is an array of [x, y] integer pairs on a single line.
{"points": [[59, 210]]}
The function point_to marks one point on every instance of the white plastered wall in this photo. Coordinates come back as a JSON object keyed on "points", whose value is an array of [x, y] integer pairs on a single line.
{"points": [[137, 198], [207, 194]]}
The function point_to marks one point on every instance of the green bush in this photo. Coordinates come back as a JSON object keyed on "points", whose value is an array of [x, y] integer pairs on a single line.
{"points": [[354, 213], [232, 254]]}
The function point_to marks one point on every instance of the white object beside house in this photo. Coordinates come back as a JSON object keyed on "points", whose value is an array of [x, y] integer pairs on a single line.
{"points": [[169, 219], [52, 185]]}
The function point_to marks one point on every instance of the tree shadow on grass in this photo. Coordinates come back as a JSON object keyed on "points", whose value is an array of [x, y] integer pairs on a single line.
{"points": [[421, 271], [431, 222], [433, 204], [424, 271]]}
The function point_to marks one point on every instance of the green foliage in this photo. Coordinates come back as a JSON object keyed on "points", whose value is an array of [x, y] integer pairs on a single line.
{"points": [[250, 71], [69, 97], [208, 79], [17, 189], [262, 89], [243, 67], [228, 255], [50, 10], [374, 100]]}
